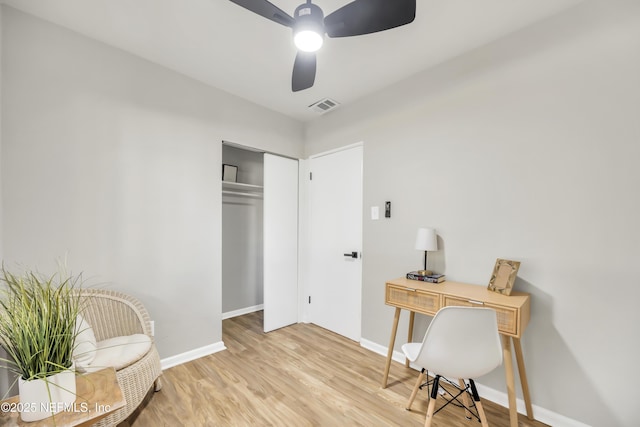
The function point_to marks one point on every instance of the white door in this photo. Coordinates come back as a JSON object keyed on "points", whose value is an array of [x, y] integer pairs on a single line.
{"points": [[280, 242], [335, 232]]}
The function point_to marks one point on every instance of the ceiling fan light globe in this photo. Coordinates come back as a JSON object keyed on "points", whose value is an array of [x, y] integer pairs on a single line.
{"points": [[308, 40]]}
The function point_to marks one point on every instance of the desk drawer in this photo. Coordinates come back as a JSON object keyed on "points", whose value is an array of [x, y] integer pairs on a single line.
{"points": [[412, 299], [507, 317]]}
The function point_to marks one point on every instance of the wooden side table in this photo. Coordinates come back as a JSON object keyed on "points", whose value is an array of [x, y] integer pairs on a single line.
{"points": [[98, 394]]}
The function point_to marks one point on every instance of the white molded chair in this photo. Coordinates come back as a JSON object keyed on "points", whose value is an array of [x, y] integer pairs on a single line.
{"points": [[461, 343]]}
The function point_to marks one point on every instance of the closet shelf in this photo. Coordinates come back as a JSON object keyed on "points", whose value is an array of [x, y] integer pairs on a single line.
{"points": [[241, 189], [239, 186], [242, 194]]}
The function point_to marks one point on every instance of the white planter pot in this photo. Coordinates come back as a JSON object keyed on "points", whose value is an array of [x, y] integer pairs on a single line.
{"points": [[42, 398]]}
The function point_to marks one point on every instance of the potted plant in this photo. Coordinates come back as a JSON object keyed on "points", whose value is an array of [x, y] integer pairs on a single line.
{"points": [[37, 330]]}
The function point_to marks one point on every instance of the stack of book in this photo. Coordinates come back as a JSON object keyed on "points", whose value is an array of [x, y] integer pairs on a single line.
{"points": [[431, 278]]}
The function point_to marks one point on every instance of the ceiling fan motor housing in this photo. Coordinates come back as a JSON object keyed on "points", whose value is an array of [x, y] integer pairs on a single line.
{"points": [[309, 17]]}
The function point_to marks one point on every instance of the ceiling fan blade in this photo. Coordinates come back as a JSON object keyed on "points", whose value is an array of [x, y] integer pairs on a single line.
{"points": [[304, 71], [369, 16], [268, 10]]}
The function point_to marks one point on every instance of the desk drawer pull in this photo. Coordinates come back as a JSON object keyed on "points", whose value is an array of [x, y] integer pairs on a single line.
{"points": [[476, 302], [409, 289]]}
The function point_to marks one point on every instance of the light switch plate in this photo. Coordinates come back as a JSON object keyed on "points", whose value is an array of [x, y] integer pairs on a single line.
{"points": [[375, 212]]}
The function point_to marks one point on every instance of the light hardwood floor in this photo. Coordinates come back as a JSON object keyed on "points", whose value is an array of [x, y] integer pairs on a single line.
{"points": [[301, 375]]}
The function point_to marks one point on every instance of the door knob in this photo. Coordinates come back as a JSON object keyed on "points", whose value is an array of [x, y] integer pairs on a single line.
{"points": [[352, 255]]}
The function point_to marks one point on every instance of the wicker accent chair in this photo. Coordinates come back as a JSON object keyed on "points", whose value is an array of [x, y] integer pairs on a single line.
{"points": [[112, 314]]}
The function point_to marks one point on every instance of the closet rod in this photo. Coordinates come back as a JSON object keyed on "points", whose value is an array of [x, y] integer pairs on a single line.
{"points": [[239, 193]]}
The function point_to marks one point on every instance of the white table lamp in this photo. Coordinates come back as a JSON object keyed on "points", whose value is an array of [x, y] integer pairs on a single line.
{"points": [[426, 241]]}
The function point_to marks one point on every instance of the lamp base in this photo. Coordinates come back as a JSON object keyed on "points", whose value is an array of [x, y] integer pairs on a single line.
{"points": [[425, 272]]}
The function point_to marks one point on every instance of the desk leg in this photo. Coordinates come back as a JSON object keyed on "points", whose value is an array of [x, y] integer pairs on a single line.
{"points": [[511, 382], [412, 316], [392, 342], [523, 377]]}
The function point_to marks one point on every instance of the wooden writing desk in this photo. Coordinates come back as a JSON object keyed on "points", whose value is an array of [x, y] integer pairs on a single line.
{"points": [[98, 394], [427, 298]]}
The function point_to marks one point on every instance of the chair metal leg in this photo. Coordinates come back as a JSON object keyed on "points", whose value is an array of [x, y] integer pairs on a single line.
{"points": [[476, 398], [432, 401], [421, 377]]}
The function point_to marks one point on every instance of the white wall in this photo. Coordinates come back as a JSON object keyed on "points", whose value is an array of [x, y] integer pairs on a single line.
{"points": [[525, 149], [1, 132], [115, 162], [4, 376]]}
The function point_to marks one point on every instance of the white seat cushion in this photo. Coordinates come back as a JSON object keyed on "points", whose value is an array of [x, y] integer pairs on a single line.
{"points": [[84, 349], [120, 352]]}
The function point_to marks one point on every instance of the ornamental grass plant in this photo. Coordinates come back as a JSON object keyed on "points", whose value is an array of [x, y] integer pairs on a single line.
{"points": [[37, 322]]}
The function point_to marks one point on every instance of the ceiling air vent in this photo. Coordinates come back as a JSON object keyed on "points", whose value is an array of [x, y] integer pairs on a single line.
{"points": [[324, 105]]}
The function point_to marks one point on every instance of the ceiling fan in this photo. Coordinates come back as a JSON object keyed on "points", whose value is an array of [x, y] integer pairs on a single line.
{"points": [[309, 26]]}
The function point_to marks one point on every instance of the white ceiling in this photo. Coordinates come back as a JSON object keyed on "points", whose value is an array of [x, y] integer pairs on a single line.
{"points": [[230, 48]]}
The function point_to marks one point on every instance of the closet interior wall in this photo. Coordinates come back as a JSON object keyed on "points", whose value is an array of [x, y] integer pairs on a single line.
{"points": [[242, 233]]}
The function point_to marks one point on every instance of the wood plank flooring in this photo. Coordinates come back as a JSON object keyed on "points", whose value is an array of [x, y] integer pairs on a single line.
{"points": [[301, 375]]}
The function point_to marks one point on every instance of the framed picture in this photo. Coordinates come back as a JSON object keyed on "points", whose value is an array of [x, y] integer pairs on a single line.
{"points": [[229, 173], [503, 276]]}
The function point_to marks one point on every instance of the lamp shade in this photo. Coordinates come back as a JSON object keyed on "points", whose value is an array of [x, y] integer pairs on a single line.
{"points": [[426, 240]]}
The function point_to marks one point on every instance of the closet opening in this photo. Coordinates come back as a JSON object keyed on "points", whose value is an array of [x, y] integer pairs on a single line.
{"points": [[242, 231]]}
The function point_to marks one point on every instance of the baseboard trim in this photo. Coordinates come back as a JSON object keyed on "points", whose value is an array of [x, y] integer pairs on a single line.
{"points": [[197, 353], [541, 414], [381, 350], [190, 355], [242, 311]]}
